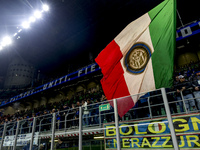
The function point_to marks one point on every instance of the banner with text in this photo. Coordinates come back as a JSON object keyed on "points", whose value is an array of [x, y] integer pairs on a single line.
{"points": [[155, 133], [22, 139], [82, 72]]}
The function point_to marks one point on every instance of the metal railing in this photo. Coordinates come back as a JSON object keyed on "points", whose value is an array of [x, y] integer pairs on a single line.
{"points": [[82, 119]]}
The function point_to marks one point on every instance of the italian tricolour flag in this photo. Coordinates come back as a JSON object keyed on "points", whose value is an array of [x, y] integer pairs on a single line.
{"points": [[141, 57]]}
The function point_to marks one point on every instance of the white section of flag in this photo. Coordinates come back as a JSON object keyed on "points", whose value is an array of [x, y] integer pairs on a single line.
{"points": [[144, 81]]}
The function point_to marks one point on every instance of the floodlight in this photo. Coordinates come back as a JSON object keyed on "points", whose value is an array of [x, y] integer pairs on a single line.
{"points": [[25, 25], [37, 14], [19, 30], [32, 19], [45, 7], [6, 41]]}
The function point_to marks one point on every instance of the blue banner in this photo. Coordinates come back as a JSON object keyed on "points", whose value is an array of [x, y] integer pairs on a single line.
{"points": [[187, 31], [82, 72]]}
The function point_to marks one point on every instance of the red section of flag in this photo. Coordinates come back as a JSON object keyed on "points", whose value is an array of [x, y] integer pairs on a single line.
{"points": [[109, 57], [123, 105], [113, 82], [114, 85]]}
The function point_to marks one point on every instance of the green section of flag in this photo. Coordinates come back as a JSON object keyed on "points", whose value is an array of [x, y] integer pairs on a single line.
{"points": [[162, 31]]}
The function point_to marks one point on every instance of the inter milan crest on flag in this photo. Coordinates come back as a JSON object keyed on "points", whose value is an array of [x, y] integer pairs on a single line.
{"points": [[137, 58]]}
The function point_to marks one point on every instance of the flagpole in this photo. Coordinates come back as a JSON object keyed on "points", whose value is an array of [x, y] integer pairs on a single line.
{"points": [[117, 124], [164, 95], [80, 143], [169, 117], [180, 18]]}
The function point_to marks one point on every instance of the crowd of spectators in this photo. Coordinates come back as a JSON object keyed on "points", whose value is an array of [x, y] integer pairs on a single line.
{"points": [[61, 108], [185, 97]]}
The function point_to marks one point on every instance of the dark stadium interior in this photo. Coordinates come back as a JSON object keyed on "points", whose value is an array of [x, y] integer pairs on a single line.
{"points": [[73, 29], [67, 39], [72, 33]]}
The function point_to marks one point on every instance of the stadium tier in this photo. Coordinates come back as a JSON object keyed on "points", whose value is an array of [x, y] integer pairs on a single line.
{"points": [[142, 91]]}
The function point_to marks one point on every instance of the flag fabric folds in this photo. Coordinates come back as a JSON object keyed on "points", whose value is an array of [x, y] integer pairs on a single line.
{"points": [[141, 57]]}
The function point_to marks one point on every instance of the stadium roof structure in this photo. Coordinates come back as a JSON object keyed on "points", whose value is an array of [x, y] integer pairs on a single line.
{"points": [[72, 28]]}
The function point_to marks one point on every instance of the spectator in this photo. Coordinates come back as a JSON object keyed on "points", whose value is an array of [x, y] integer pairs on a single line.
{"points": [[58, 119], [85, 113], [155, 99], [53, 111], [196, 85], [6, 121], [176, 80], [76, 117], [73, 114], [46, 121], [185, 87], [89, 108], [171, 99], [41, 147], [60, 144], [96, 111]]}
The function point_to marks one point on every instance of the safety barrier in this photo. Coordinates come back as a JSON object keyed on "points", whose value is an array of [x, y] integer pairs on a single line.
{"points": [[100, 119]]}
